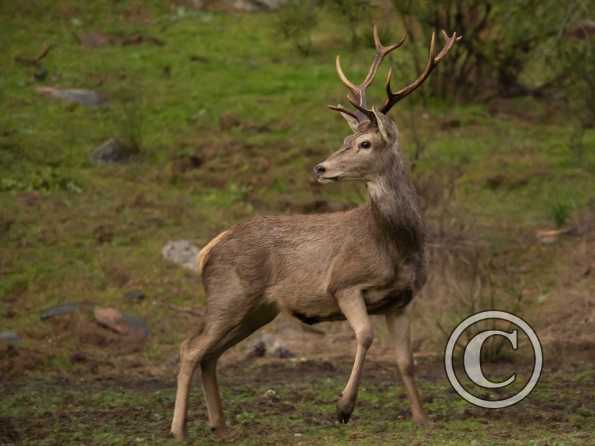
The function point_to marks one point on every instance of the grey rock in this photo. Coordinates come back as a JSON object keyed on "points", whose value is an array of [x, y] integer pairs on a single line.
{"points": [[112, 151], [88, 98], [10, 337], [135, 295], [271, 345], [136, 325], [258, 5], [181, 252], [124, 324], [60, 310]]}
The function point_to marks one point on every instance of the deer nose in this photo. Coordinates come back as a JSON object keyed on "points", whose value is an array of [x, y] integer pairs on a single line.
{"points": [[319, 169]]}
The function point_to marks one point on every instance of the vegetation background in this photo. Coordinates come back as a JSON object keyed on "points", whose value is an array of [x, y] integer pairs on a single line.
{"points": [[128, 124]]}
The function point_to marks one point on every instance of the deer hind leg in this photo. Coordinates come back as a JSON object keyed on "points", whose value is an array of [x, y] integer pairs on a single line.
{"points": [[252, 322], [221, 333], [354, 309], [399, 326]]}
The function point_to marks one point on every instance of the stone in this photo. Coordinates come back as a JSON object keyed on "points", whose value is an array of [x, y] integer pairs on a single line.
{"points": [[258, 5], [112, 319], [272, 345], [135, 295], [60, 310], [271, 395], [181, 252], [112, 151], [136, 326], [87, 98], [10, 337], [120, 323]]}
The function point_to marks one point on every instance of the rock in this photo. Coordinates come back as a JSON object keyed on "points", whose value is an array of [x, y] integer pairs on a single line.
{"points": [[258, 350], [60, 310], [271, 344], [10, 337], [88, 98], [121, 323], [135, 295], [270, 394], [136, 326], [283, 353], [112, 319], [181, 252], [257, 5], [112, 151]]}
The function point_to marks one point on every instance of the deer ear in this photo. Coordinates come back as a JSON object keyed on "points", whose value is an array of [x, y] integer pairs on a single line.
{"points": [[353, 123], [385, 125]]}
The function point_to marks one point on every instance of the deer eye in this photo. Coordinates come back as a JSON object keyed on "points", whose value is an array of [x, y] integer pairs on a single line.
{"points": [[365, 145]]}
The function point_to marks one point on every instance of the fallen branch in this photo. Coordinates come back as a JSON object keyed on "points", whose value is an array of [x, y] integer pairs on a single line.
{"points": [[190, 311], [36, 61]]}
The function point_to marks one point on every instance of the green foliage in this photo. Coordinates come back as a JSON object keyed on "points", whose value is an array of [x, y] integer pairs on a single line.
{"points": [[44, 179], [353, 13], [499, 44], [560, 211], [296, 21]]}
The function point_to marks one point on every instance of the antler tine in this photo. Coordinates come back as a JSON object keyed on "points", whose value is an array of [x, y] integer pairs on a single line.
{"points": [[433, 60], [339, 108], [358, 92]]}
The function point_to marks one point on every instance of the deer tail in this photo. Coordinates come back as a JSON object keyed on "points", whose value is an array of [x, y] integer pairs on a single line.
{"points": [[203, 255]]}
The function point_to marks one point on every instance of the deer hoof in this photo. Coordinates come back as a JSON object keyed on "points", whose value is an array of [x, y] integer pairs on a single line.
{"points": [[422, 420], [344, 411], [219, 431], [179, 434]]}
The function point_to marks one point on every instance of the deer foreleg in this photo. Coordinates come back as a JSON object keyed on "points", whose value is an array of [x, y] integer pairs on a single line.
{"points": [[399, 326], [353, 307]]}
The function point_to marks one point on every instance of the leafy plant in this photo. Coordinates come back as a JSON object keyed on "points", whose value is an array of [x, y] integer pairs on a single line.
{"points": [[354, 13], [499, 44], [46, 179], [296, 21], [560, 211]]}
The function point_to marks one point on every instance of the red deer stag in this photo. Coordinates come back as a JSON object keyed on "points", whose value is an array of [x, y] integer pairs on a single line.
{"points": [[330, 267]]}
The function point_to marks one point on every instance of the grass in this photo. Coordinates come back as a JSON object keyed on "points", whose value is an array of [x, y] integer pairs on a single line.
{"points": [[298, 412], [55, 201], [73, 231]]}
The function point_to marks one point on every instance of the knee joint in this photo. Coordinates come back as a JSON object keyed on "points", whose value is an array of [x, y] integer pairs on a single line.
{"points": [[406, 366], [365, 337]]}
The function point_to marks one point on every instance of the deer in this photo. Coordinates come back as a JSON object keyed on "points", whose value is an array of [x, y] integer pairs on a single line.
{"points": [[338, 266]]}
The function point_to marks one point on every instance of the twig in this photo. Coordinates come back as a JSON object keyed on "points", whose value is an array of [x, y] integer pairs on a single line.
{"points": [[186, 310], [36, 61]]}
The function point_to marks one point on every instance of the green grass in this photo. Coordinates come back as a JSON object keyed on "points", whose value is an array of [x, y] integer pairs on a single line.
{"points": [[55, 204], [121, 411]]}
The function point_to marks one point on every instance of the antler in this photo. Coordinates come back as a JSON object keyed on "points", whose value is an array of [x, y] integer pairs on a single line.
{"points": [[433, 60], [357, 95]]}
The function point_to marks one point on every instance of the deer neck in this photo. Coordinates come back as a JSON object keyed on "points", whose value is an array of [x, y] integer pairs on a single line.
{"points": [[396, 219]]}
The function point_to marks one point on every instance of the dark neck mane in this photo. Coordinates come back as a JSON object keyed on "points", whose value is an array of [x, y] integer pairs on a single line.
{"points": [[396, 216]]}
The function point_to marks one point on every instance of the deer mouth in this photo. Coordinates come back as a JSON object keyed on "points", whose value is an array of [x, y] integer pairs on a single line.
{"points": [[328, 179]]}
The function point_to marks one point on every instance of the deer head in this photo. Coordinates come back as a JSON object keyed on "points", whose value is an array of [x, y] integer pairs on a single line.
{"points": [[365, 154]]}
